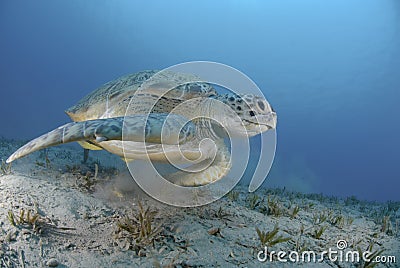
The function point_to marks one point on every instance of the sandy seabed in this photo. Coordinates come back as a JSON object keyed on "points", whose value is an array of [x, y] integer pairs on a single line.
{"points": [[88, 215]]}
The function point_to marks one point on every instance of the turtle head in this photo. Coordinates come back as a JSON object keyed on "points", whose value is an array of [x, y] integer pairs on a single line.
{"points": [[254, 114]]}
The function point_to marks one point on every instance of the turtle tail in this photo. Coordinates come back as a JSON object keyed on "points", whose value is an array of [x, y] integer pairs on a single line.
{"points": [[93, 130]]}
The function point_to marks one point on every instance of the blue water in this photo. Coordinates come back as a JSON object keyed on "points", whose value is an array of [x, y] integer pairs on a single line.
{"points": [[331, 69]]}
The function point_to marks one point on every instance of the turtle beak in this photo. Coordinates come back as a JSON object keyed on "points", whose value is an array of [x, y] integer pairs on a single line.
{"points": [[273, 120], [268, 120], [261, 123]]}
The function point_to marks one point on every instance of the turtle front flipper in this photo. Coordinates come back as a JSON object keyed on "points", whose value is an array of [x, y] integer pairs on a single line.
{"points": [[215, 171], [154, 128]]}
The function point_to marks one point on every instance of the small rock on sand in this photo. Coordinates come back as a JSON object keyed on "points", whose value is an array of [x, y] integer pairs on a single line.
{"points": [[52, 263]]}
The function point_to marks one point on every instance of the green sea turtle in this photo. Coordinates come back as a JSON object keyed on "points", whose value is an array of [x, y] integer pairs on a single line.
{"points": [[162, 116]]}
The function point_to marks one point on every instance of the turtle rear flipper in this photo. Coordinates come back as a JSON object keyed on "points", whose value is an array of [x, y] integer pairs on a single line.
{"points": [[154, 128]]}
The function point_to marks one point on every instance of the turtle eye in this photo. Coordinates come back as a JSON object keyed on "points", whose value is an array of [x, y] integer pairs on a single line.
{"points": [[261, 105], [252, 113]]}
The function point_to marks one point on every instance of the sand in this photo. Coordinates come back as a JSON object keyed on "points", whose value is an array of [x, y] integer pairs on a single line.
{"points": [[76, 214]]}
